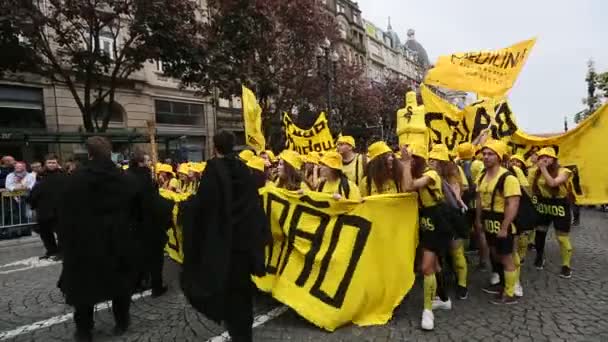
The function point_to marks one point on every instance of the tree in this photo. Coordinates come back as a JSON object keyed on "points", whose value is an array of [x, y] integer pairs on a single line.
{"points": [[597, 90], [94, 46]]}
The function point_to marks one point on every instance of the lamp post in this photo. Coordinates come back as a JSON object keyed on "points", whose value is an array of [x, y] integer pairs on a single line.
{"points": [[327, 61]]}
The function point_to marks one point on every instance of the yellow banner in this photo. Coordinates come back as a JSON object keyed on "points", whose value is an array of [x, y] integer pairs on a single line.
{"points": [[174, 245], [318, 138], [487, 73], [336, 262], [411, 128], [252, 117]]}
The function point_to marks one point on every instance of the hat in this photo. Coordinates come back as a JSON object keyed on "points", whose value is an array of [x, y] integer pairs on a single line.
{"points": [[496, 146], [292, 158], [245, 155], [312, 158], [465, 151], [125, 167], [183, 168], [198, 167], [518, 157], [377, 149], [332, 160], [347, 139], [165, 168], [418, 151], [547, 152], [257, 163], [440, 152], [270, 155]]}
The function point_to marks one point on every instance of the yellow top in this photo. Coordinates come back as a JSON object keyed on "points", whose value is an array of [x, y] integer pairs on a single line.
{"points": [[354, 169], [174, 183], [331, 187], [463, 178], [435, 186], [545, 190], [387, 188], [485, 188], [521, 177]]}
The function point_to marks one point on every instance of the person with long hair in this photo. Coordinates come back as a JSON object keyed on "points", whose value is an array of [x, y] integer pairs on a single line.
{"points": [[311, 177], [550, 189], [334, 181], [166, 178], [435, 231], [289, 171], [439, 160], [273, 161], [383, 172]]}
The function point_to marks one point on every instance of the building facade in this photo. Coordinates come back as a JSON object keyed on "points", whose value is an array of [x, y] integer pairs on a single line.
{"points": [[351, 46]]}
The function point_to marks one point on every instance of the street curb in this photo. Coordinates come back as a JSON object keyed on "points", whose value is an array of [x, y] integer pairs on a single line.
{"points": [[21, 241]]}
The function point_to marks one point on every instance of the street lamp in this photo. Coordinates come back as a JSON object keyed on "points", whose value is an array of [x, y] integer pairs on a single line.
{"points": [[327, 61]]}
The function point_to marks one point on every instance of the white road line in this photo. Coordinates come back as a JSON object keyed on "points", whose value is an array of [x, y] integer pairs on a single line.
{"points": [[257, 321], [59, 319], [27, 264]]}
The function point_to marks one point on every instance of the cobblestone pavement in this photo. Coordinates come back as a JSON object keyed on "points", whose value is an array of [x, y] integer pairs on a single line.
{"points": [[553, 309]]}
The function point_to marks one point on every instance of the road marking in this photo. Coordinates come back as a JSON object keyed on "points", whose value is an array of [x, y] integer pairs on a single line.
{"points": [[27, 264], [257, 321], [59, 319]]}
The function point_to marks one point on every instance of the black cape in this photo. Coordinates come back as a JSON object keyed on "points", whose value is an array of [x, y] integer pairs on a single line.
{"points": [[223, 219], [96, 219], [47, 195]]}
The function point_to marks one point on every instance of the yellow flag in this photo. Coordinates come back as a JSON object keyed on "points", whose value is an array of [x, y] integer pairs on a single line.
{"points": [[411, 128], [252, 116], [315, 139], [487, 73]]}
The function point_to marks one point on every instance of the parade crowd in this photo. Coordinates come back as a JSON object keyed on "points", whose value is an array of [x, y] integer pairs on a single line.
{"points": [[108, 223]]}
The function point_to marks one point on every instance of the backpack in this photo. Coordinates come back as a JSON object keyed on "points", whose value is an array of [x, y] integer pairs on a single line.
{"points": [[470, 194], [500, 185]]}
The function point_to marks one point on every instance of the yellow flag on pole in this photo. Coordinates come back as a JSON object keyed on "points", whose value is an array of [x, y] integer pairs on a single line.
{"points": [[252, 116], [487, 73]]}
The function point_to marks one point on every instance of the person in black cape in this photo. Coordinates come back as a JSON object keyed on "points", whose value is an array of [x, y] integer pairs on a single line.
{"points": [[225, 234], [97, 239]]}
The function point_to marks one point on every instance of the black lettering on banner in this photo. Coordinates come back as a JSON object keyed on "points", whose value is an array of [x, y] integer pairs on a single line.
{"points": [[576, 180], [531, 151], [457, 135], [318, 127], [506, 127], [515, 148], [271, 198], [364, 229], [428, 120], [482, 120], [315, 239], [316, 204]]}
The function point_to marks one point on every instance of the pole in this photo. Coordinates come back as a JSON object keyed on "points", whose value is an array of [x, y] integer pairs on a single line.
{"points": [[153, 150]]}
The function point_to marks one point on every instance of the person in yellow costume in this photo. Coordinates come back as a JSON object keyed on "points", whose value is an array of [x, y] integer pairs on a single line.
{"points": [[354, 163], [259, 170], [549, 183], [498, 195], [183, 176], [311, 170], [273, 160], [334, 181], [435, 231], [245, 155], [289, 171], [439, 160], [383, 172], [166, 178]]}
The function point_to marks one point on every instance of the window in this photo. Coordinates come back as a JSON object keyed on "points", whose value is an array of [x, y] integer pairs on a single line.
{"points": [[115, 111], [106, 45], [357, 19], [341, 8], [160, 66], [179, 113], [21, 107], [343, 28]]}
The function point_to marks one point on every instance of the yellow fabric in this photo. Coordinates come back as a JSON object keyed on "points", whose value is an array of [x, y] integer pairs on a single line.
{"points": [[385, 229], [487, 73], [510, 281], [497, 146], [175, 234], [486, 188], [292, 158], [435, 186], [521, 177], [257, 163], [313, 158], [387, 188], [463, 178], [271, 156], [565, 249], [466, 151], [547, 152], [522, 245], [430, 289], [377, 149], [517, 263], [346, 139], [439, 152], [519, 158], [317, 139], [460, 265], [183, 168], [354, 169], [332, 187], [165, 168], [252, 120], [545, 190], [476, 169], [332, 160], [418, 151], [411, 126], [174, 183]]}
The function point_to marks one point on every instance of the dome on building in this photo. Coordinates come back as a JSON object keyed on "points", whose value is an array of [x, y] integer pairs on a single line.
{"points": [[419, 51], [396, 42]]}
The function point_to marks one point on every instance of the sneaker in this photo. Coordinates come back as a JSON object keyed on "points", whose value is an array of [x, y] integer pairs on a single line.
{"points": [[566, 272], [539, 263], [439, 304], [504, 300], [428, 320], [494, 279], [493, 289], [462, 292], [518, 291]]}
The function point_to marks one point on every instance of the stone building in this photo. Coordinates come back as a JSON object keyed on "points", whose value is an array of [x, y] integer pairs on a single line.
{"points": [[351, 46]]}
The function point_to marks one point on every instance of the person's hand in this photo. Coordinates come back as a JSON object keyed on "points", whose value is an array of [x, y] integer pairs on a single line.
{"points": [[543, 163], [300, 192], [405, 154], [502, 233], [337, 196]]}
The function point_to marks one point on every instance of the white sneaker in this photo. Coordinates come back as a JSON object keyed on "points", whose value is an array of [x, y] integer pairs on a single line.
{"points": [[494, 279], [428, 320], [439, 304], [518, 291]]}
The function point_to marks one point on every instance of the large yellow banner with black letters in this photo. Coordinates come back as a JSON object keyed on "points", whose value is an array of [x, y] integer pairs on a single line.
{"points": [[318, 138], [336, 262]]}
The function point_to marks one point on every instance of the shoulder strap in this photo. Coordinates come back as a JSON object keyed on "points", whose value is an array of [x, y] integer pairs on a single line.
{"points": [[321, 185], [357, 169], [500, 186], [344, 186]]}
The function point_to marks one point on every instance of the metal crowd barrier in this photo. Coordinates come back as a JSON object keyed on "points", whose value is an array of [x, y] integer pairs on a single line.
{"points": [[16, 217]]}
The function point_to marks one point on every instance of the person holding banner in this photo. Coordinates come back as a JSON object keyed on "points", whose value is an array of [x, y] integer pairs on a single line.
{"points": [[498, 196], [435, 231], [550, 189], [383, 171], [334, 181], [354, 163], [311, 176], [289, 171]]}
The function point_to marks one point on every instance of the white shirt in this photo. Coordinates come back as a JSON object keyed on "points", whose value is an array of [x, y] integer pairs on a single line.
{"points": [[12, 183]]}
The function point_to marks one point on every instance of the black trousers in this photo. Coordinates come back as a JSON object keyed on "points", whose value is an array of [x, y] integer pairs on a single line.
{"points": [[576, 213], [239, 301], [47, 235], [156, 269], [83, 314]]}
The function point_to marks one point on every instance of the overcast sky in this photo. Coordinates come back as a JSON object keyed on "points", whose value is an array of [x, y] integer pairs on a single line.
{"points": [[552, 83]]}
